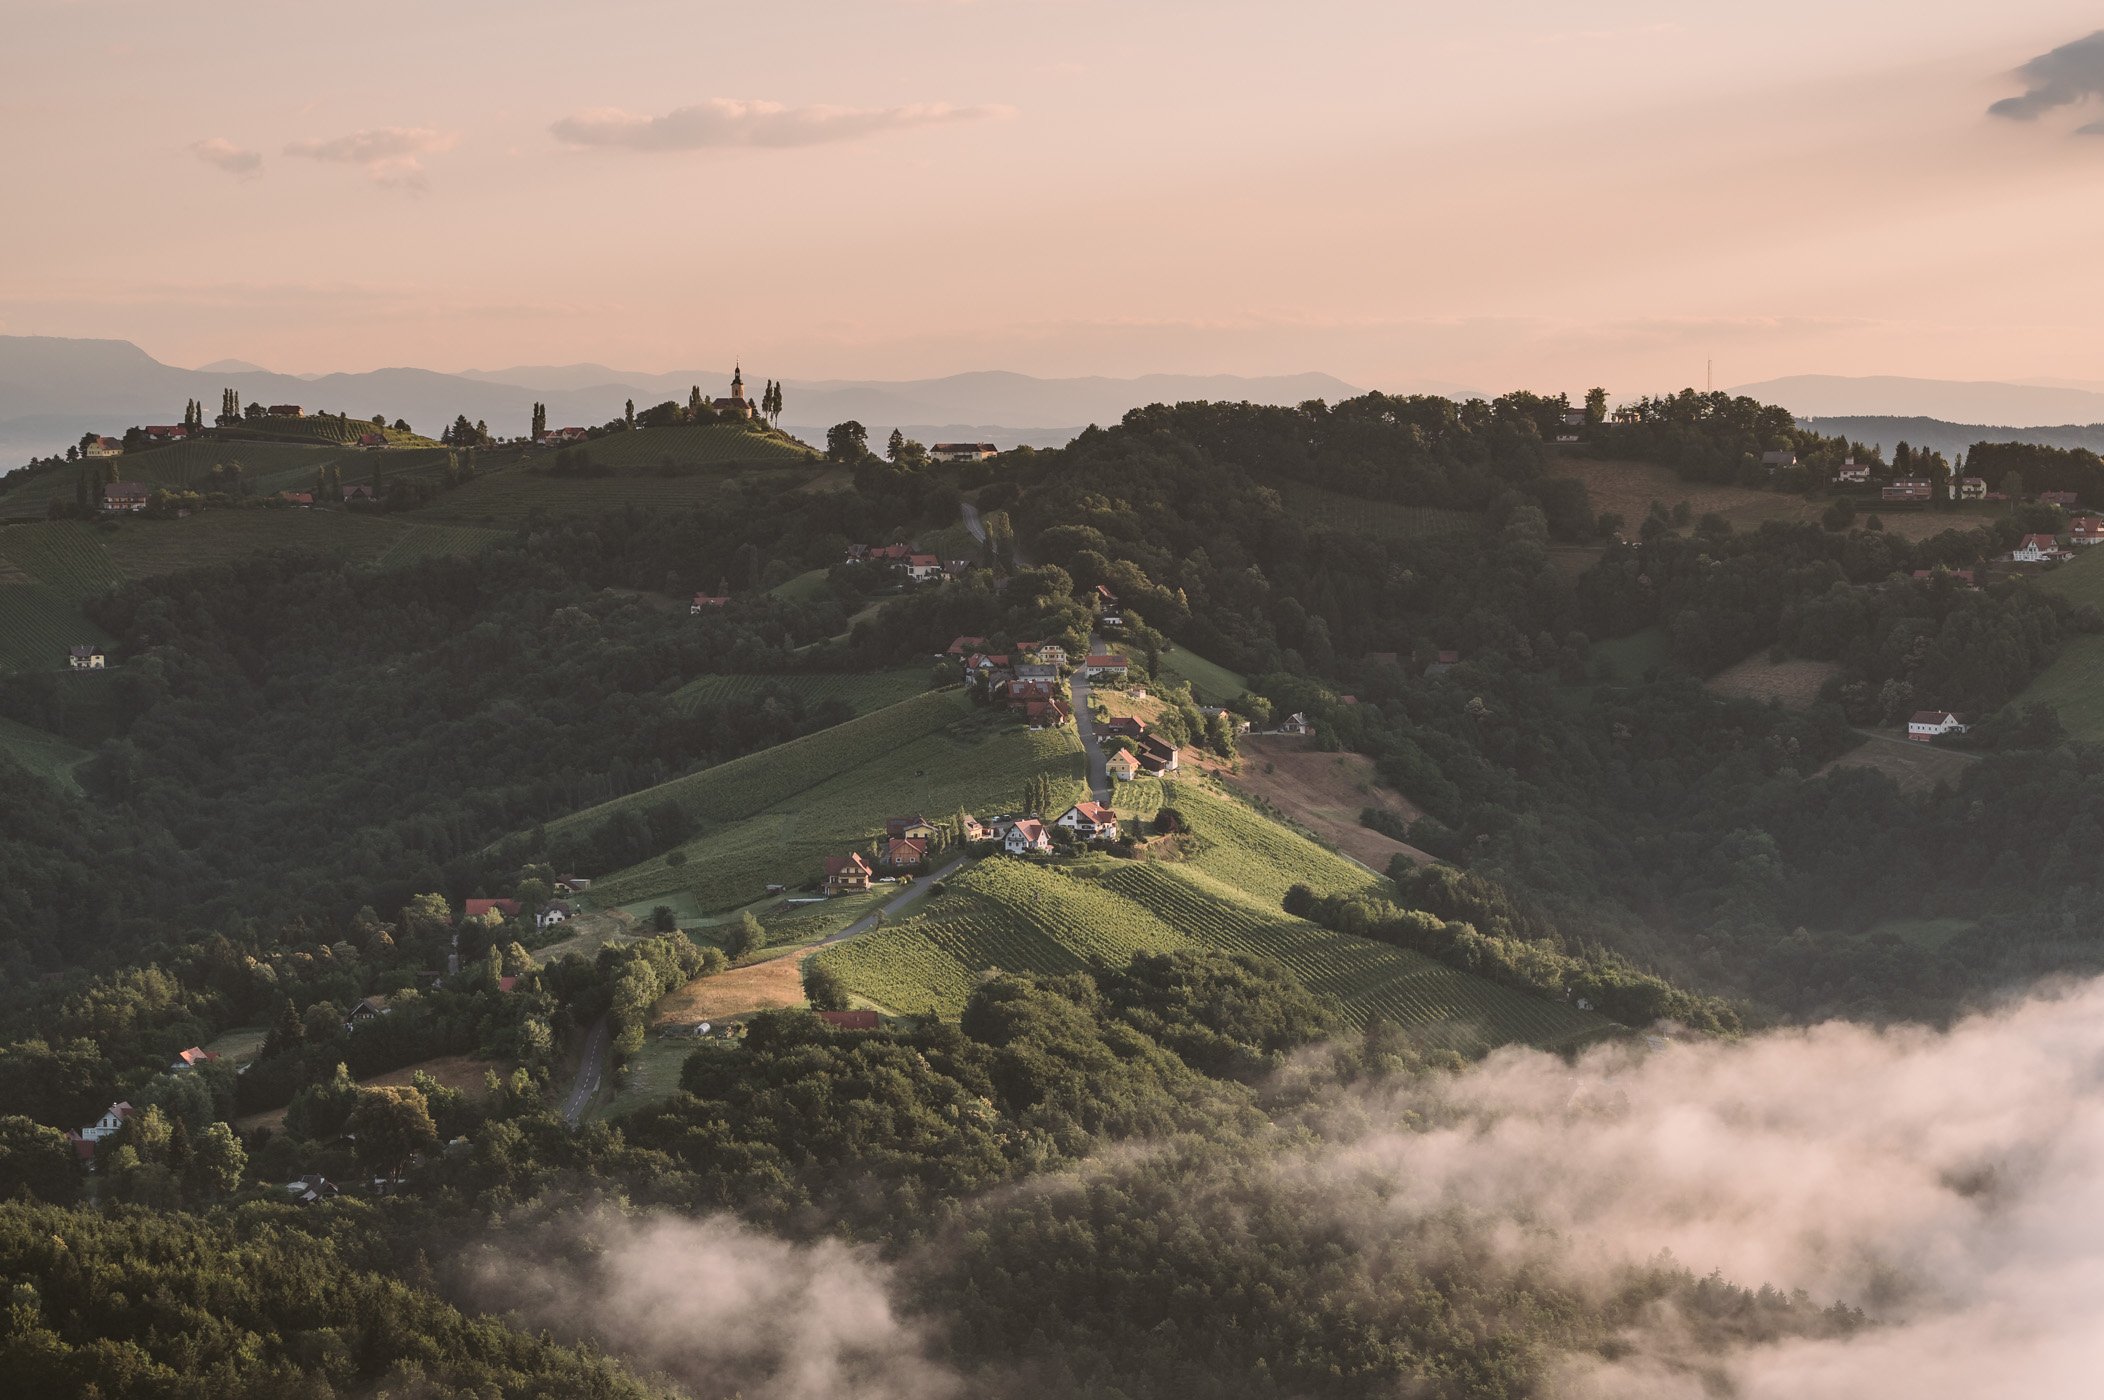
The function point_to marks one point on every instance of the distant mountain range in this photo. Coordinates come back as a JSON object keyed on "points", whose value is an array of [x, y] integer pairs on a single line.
{"points": [[2027, 405], [1950, 438], [52, 390]]}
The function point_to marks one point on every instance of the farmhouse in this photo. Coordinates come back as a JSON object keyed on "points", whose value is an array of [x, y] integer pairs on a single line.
{"points": [[1047, 653], [311, 1189], [302, 499], [168, 432], [572, 884], [703, 602], [966, 646], [2058, 498], [1047, 714], [369, 1009], [878, 553], [737, 405], [2085, 530], [1091, 821], [1853, 472], [1778, 459], [371, 440], [973, 829], [1037, 672], [903, 853], [1124, 726], [962, 451], [1296, 723], [1912, 489], [914, 828], [1929, 725], [1025, 837], [287, 410], [125, 495], [922, 568], [1972, 488], [105, 447], [848, 874], [85, 658], [1123, 765], [1107, 666], [1159, 756], [2038, 549], [557, 912], [566, 435], [360, 492], [112, 1121], [190, 1059], [482, 909]]}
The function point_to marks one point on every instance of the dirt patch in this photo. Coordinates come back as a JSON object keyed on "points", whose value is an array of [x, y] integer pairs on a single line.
{"points": [[1795, 682], [587, 933], [1915, 767], [462, 1072], [761, 986], [1325, 792]]}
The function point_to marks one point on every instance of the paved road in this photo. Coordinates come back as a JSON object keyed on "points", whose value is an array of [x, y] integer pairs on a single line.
{"points": [[977, 526], [1099, 775], [591, 1071], [905, 899]]}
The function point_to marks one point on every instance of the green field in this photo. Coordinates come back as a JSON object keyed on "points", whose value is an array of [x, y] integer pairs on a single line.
{"points": [[1625, 660], [1358, 515], [1212, 685], [862, 692], [267, 468], [694, 444], [810, 587], [46, 755], [2074, 684], [38, 625], [327, 429], [773, 817], [1014, 916]]}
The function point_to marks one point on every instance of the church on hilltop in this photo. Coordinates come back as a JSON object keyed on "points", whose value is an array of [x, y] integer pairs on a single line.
{"points": [[737, 403]]}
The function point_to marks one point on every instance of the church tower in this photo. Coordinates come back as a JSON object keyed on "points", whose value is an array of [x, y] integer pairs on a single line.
{"points": [[738, 384]]}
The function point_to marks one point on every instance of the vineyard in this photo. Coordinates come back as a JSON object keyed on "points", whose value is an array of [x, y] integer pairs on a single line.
{"points": [[773, 817], [324, 428], [1008, 916], [1210, 684], [37, 627], [1254, 854], [418, 542], [694, 445], [46, 755], [861, 692], [66, 556]]}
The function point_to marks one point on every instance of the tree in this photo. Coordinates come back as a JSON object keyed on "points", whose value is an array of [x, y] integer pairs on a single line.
{"points": [[745, 937], [217, 1163], [663, 919], [285, 1034], [896, 445], [540, 421], [37, 1161], [629, 414], [847, 442], [392, 1123], [695, 406], [823, 987]]}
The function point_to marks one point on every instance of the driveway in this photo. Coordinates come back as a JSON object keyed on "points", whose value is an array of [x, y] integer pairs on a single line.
{"points": [[905, 899], [591, 1072], [1099, 775]]}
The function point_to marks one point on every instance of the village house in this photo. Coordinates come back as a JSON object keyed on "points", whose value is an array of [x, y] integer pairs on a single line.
{"points": [[1090, 821], [287, 410], [1026, 837], [2058, 498], [1107, 666], [556, 912], [962, 451], [1123, 765], [1912, 489], [1037, 671], [1853, 473], [849, 1020], [878, 553], [966, 646], [126, 495], [1019, 692], [1124, 726], [482, 909], [311, 1189], [1295, 723], [360, 492], [572, 884], [105, 447], [923, 568], [111, 1122], [2038, 549], [372, 440], [2085, 530], [973, 829], [1929, 725], [86, 658], [903, 854], [370, 1009], [1776, 460], [848, 874], [303, 499], [981, 664], [566, 435], [1047, 653], [1047, 714], [190, 1059], [1158, 756], [167, 432], [1972, 488], [914, 828], [703, 602]]}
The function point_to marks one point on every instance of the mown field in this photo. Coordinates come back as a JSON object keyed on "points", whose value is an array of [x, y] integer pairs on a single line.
{"points": [[860, 691], [1014, 916], [44, 754], [1211, 684], [694, 444], [1318, 505], [773, 817], [2074, 684]]}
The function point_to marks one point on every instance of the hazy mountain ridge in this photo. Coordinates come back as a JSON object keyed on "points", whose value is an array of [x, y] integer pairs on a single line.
{"points": [[1952, 438], [1997, 404]]}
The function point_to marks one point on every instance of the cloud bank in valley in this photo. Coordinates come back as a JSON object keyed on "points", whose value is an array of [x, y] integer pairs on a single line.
{"points": [[2063, 77], [724, 122], [389, 155], [1949, 1184]]}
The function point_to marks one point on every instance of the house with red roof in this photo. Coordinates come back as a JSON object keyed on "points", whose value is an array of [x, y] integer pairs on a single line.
{"points": [[483, 908], [903, 855], [848, 874], [703, 602], [849, 1020], [965, 646], [2038, 549], [1047, 714], [1124, 765], [2085, 530], [191, 1059], [371, 440], [1091, 821], [1026, 837], [110, 1123], [106, 447], [302, 499], [922, 568]]}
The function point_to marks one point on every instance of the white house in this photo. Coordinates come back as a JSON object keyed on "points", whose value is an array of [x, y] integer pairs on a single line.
{"points": [[112, 1120], [1026, 836], [1091, 821], [2038, 549], [1928, 725], [85, 658], [555, 913], [1853, 472], [962, 451], [923, 568], [1107, 666], [1972, 488]]}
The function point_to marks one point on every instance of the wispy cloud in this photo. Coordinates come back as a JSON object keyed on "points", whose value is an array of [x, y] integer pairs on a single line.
{"points": [[2068, 75], [389, 155], [730, 121], [233, 159]]}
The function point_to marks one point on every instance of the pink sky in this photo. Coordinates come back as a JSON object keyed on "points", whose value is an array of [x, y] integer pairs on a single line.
{"points": [[1498, 193]]}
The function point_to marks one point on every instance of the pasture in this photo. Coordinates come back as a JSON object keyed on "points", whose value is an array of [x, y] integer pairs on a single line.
{"points": [[2074, 684], [1210, 684], [862, 692], [1011, 916], [1915, 767], [694, 445], [773, 817]]}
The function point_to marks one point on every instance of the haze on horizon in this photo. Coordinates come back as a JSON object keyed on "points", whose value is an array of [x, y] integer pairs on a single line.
{"points": [[1507, 194]]}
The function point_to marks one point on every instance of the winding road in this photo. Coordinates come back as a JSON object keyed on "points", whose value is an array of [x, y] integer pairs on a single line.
{"points": [[591, 1071], [1099, 775], [905, 899]]}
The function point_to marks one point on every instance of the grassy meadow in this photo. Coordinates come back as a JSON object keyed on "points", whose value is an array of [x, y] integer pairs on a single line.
{"points": [[861, 691]]}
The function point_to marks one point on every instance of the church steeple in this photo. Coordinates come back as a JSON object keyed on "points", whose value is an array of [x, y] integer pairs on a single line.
{"points": [[738, 383]]}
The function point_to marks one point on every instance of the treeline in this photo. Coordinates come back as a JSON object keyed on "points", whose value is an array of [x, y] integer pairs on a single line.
{"points": [[1721, 437]]}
